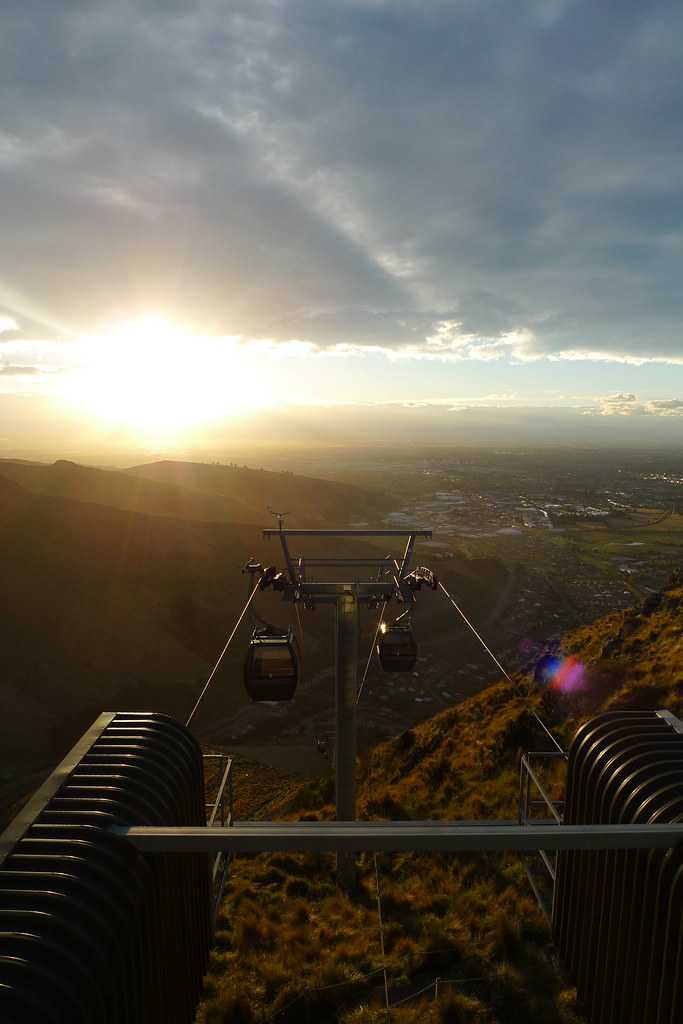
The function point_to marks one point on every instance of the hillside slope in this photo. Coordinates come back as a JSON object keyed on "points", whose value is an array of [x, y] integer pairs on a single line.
{"points": [[289, 944], [117, 489], [210, 493], [104, 608], [308, 501]]}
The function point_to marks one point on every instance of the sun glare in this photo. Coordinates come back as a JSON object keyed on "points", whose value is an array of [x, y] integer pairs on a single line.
{"points": [[151, 378]]}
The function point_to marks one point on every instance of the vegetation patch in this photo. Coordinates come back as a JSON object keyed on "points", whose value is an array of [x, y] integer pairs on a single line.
{"points": [[291, 947]]}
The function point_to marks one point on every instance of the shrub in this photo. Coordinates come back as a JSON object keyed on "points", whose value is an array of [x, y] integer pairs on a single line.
{"points": [[232, 1009], [297, 887], [453, 1012], [298, 911], [314, 795], [387, 807], [508, 941], [290, 865], [269, 876], [405, 740], [437, 769]]}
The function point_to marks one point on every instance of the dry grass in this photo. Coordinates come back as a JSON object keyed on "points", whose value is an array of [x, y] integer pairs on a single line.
{"points": [[291, 948]]}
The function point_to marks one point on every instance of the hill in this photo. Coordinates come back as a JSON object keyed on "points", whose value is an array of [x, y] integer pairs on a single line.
{"points": [[109, 608], [289, 945], [119, 588], [105, 607], [309, 501], [209, 493]]}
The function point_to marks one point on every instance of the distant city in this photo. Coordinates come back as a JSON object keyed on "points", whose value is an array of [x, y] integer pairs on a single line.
{"points": [[534, 542]]}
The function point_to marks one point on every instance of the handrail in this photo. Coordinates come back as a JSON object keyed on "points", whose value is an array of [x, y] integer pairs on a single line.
{"points": [[548, 801], [397, 836], [222, 858]]}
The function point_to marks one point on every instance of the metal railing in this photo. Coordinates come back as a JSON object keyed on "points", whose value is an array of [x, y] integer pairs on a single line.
{"points": [[436, 835], [216, 815], [618, 915], [68, 873], [530, 784], [91, 930]]}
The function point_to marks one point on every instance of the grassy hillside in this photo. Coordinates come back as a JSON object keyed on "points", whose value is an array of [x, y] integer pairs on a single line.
{"points": [[209, 493], [104, 608], [291, 948], [310, 502], [107, 607]]}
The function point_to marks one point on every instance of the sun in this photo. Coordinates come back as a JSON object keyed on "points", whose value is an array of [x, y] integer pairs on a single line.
{"points": [[154, 379]]}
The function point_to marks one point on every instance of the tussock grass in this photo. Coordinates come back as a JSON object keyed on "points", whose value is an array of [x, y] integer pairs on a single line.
{"points": [[291, 948]]}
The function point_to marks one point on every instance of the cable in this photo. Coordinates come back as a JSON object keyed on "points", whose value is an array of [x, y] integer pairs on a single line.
{"points": [[220, 656], [381, 939], [380, 921], [301, 628], [413, 995], [479, 638], [514, 685], [372, 651], [374, 643], [325, 988]]}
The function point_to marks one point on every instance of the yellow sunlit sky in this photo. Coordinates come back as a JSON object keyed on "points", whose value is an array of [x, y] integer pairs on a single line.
{"points": [[149, 376], [217, 210]]}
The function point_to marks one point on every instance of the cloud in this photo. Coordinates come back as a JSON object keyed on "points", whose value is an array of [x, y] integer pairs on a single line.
{"points": [[451, 341], [18, 371], [628, 405], [8, 324], [444, 181], [621, 405], [667, 407], [584, 355]]}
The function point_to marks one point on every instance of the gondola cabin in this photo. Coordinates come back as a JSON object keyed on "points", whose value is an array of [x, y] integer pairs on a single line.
{"points": [[396, 648], [271, 668]]}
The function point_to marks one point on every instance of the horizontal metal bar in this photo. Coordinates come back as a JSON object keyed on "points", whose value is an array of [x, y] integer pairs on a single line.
{"points": [[365, 600], [324, 592], [362, 589], [408, 532], [421, 836], [372, 563]]}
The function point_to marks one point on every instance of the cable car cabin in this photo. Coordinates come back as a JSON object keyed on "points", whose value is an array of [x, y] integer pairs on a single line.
{"points": [[271, 669], [396, 648]]}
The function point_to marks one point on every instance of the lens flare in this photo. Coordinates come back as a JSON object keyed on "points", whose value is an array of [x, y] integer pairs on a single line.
{"points": [[563, 675], [570, 677]]}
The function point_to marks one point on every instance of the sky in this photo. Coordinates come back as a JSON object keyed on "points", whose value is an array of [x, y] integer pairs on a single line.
{"points": [[211, 210]]}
